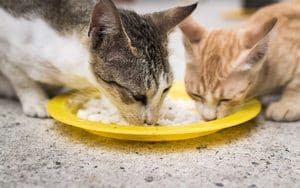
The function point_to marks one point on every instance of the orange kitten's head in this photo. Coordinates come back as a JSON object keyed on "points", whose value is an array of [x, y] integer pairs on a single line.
{"points": [[222, 65]]}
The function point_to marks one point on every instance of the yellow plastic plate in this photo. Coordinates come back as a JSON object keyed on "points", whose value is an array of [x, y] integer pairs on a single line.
{"points": [[61, 109]]}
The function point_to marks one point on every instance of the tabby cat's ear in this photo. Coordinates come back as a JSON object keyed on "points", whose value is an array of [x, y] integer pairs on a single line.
{"points": [[192, 30], [168, 19], [105, 19], [255, 40]]}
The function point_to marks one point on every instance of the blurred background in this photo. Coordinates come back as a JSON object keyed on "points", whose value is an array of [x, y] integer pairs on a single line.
{"points": [[209, 13]]}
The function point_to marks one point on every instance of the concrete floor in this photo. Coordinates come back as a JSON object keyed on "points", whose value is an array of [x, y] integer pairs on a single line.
{"points": [[44, 153]]}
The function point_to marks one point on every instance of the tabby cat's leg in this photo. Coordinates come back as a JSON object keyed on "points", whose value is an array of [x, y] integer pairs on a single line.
{"points": [[6, 89], [30, 94], [288, 107]]}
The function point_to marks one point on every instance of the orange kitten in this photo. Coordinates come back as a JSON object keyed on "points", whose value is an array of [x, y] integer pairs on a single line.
{"points": [[228, 67]]}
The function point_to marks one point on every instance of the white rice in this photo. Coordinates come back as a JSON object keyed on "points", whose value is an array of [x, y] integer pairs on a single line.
{"points": [[173, 112]]}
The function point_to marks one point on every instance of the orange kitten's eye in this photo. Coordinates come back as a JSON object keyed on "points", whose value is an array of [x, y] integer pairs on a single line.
{"points": [[224, 100], [196, 96]]}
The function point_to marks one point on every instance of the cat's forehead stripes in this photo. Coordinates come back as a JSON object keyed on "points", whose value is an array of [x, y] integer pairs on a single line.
{"points": [[138, 70], [216, 52], [148, 41]]}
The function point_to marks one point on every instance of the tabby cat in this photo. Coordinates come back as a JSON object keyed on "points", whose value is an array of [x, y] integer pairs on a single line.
{"points": [[70, 43], [227, 67]]}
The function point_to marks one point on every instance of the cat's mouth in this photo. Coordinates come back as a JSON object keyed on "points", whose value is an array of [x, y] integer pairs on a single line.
{"points": [[210, 113], [231, 108]]}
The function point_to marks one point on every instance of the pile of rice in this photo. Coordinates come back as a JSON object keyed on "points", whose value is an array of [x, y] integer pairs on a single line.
{"points": [[173, 112]]}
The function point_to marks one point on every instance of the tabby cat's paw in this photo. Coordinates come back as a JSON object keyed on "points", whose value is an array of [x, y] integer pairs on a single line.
{"points": [[36, 109], [283, 111]]}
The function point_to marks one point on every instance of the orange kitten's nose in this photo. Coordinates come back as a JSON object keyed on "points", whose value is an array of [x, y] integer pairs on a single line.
{"points": [[210, 118], [209, 114]]}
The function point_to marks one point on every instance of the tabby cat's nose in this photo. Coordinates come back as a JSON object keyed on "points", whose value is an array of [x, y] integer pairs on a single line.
{"points": [[151, 117], [150, 120]]}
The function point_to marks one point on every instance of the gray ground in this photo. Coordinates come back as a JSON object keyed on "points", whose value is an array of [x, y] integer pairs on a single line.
{"points": [[40, 153]]}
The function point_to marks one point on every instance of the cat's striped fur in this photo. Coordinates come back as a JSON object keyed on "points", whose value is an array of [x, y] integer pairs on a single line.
{"points": [[227, 67], [127, 53]]}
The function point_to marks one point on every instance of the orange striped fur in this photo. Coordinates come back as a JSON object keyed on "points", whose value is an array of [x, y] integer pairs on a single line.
{"points": [[226, 67]]}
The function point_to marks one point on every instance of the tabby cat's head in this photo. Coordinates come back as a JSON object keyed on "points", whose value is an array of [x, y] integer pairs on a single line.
{"points": [[223, 65], [129, 58]]}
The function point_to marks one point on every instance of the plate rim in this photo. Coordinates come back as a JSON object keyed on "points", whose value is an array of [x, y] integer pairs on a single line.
{"points": [[57, 109]]}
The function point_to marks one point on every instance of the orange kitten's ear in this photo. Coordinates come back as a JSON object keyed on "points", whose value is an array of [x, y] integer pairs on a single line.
{"points": [[253, 58], [192, 30], [168, 19], [256, 32], [255, 40]]}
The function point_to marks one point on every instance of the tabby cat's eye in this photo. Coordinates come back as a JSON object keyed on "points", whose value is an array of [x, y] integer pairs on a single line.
{"points": [[141, 98], [224, 100], [166, 90]]}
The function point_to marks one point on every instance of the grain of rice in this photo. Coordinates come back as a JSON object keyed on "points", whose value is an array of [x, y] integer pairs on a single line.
{"points": [[173, 112]]}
